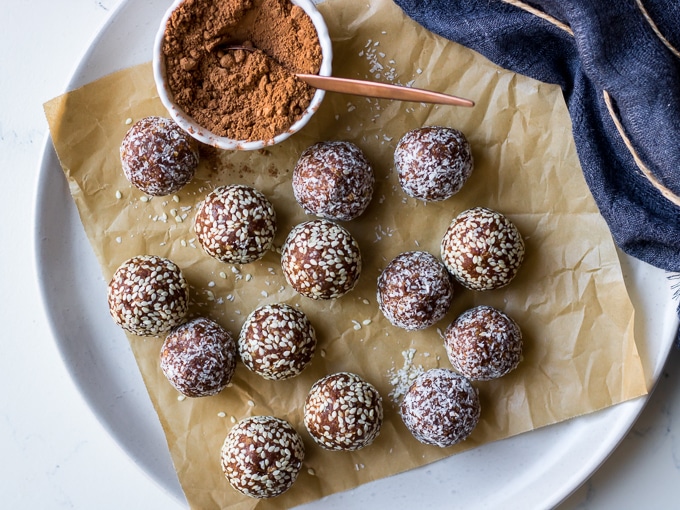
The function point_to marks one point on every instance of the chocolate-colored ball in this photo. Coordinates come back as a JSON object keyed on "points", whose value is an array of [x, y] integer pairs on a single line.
{"points": [[414, 290], [321, 260], [333, 180], [483, 343], [433, 162], [262, 456], [343, 412], [482, 249], [148, 295], [235, 224], [441, 408], [277, 341], [158, 157], [199, 358]]}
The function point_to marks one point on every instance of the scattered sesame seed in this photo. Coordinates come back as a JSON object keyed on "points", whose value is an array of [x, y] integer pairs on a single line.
{"points": [[221, 414], [119, 195], [144, 198], [128, 121]]}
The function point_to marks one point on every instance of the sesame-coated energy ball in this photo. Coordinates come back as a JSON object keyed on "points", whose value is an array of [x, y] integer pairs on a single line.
{"points": [[433, 162], [158, 157], [482, 249], [199, 358], [333, 180], [148, 295], [262, 456], [483, 343], [321, 260], [235, 224], [414, 290], [343, 412], [277, 341], [441, 408]]}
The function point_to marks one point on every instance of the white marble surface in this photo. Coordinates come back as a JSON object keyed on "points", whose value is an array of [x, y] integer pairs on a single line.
{"points": [[54, 453]]}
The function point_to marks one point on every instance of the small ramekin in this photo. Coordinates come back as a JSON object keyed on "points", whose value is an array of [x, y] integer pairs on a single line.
{"points": [[204, 135]]}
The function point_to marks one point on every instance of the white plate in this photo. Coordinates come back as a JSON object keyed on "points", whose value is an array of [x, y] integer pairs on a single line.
{"points": [[534, 470]]}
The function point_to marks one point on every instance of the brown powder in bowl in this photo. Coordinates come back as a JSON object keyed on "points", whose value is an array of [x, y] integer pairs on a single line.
{"points": [[240, 94]]}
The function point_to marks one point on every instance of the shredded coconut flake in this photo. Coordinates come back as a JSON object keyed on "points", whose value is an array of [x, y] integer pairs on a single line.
{"points": [[402, 378]]}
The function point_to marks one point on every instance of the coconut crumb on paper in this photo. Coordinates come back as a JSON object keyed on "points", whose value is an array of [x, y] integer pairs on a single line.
{"points": [[402, 378]]}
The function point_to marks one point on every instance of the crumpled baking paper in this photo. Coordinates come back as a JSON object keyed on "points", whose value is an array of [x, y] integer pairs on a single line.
{"points": [[568, 298]]}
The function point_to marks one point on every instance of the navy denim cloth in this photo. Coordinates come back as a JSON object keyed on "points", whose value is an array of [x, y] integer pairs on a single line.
{"points": [[628, 50]]}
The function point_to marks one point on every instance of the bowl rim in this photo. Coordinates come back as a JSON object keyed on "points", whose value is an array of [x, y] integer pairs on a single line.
{"points": [[204, 135]]}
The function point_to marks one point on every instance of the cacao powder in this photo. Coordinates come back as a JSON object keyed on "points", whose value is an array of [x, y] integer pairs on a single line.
{"points": [[240, 94]]}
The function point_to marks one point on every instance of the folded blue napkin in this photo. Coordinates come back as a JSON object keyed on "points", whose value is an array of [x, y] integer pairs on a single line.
{"points": [[618, 64]]}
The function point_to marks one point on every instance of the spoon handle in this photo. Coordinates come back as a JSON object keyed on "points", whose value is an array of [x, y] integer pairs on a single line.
{"points": [[381, 90]]}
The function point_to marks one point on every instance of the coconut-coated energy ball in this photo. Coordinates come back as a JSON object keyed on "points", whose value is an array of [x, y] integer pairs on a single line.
{"points": [[148, 295], [343, 412], [414, 290], [262, 456], [158, 157], [235, 224], [441, 407], [482, 249], [433, 162], [277, 341], [198, 358], [333, 180], [321, 260], [483, 343]]}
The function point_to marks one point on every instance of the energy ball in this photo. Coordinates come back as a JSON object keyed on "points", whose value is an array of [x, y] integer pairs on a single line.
{"points": [[441, 408], [433, 162], [148, 295], [333, 180], [482, 249], [483, 343], [235, 224], [277, 341], [199, 358], [158, 157], [262, 456], [414, 290], [343, 412], [321, 259]]}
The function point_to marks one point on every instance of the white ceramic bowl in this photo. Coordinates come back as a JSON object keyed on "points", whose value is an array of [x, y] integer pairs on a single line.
{"points": [[204, 135]]}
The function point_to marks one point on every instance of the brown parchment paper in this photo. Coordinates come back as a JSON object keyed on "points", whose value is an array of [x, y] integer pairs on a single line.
{"points": [[569, 297]]}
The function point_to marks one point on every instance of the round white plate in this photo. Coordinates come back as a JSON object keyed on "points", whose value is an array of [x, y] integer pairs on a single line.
{"points": [[534, 470]]}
